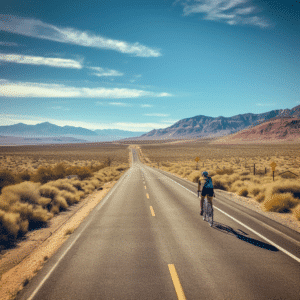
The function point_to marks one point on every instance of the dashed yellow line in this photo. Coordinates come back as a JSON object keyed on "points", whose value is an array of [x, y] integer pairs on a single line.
{"points": [[145, 187], [152, 211], [147, 195], [176, 282]]}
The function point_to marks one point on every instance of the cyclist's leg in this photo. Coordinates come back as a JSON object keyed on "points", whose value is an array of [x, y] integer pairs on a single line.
{"points": [[201, 204], [209, 199]]}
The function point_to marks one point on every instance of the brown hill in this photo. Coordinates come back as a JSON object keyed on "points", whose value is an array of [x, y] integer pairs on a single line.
{"points": [[275, 131], [204, 126]]}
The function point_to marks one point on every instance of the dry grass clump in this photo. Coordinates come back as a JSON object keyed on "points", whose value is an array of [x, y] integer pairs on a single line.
{"points": [[282, 203], [29, 205], [225, 171], [296, 212]]}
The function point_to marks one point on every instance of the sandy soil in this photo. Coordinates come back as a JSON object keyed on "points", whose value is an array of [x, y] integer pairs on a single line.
{"points": [[20, 264]]}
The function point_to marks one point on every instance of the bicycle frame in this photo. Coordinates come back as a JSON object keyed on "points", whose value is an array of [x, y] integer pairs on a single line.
{"points": [[208, 214]]}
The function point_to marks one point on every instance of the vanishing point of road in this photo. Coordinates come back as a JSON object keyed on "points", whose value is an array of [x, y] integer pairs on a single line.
{"points": [[146, 240]]}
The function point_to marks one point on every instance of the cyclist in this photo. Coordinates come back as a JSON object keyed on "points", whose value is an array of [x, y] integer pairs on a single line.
{"points": [[207, 190]]}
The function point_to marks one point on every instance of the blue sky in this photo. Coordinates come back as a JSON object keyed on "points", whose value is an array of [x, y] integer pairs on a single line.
{"points": [[140, 65]]}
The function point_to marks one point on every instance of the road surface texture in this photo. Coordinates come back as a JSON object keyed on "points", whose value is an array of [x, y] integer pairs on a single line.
{"points": [[146, 240]]}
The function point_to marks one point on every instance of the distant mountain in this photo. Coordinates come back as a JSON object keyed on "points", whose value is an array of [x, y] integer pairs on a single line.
{"points": [[283, 129], [44, 130], [203, 126], [117, 133], [49, 133]]}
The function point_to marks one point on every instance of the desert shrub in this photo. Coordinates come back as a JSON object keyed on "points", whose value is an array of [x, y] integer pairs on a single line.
{"points": [[254, 190], [244, 173], [194, 176], [282, 203], [44, 175], [77, 184], [26, 192], [70, 198], [49, 191], [296, 212], [84, 173], [225, 171], [260, 197], [64, 185], [243, 192], [237, 185], [96, 168], [219, 184], [24, 176], [59, 171], [286, 187], [36, 216], [10, 227], [6, 178]]}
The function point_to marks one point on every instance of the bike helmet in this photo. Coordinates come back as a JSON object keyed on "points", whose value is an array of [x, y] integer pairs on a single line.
{"points": [[205, 174]]}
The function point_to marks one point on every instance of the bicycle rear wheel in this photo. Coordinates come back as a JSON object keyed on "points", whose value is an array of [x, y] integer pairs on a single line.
{"points": [[205, 210], [210, 214]]}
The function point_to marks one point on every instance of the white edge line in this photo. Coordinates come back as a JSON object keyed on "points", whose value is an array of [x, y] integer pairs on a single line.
{"points": [[266, 239], [52, 269], [63, 255]]}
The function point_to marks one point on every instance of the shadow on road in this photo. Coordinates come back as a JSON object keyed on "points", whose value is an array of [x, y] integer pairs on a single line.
{"points": [[242, 236]]}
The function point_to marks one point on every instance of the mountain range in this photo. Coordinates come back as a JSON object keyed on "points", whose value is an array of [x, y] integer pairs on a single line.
{"points": [[203, 126], [45, 130], [275, 124]]}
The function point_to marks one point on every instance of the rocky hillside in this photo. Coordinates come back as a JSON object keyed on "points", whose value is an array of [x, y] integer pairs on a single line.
{"points": [[203, 126], [276, 130]]}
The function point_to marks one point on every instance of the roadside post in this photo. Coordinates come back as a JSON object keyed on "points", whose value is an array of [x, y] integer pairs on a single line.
{"points": [[197, 160], [273, 166]]}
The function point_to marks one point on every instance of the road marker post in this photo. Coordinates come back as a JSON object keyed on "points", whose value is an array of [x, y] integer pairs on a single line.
{"points": [[273, 166], [197, 160]]}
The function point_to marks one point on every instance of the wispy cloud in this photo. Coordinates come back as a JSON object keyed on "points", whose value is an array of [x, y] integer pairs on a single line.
{"points": [[120, 104], [264, 104], [56, 62], [9, 44], [136, 77], [10, 119], [38, 29], [41, 61], [232, 12], [146, 105], [105, 72], [60, 108], [157, 115], [33, 90]]}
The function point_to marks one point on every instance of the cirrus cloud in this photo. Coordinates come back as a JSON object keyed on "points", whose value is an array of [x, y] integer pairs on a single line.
{"points": [[41, 61], [34, 90], [232, 12], [38, 29]]}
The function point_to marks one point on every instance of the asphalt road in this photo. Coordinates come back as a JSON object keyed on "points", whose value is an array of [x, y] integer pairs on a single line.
{"points": [[146, 240]]}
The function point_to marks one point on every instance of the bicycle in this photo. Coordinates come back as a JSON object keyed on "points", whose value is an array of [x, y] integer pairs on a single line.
{"points": [[208, 212]]}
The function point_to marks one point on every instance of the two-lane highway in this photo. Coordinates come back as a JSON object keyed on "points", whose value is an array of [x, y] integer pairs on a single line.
{"points": [[146, 240]]}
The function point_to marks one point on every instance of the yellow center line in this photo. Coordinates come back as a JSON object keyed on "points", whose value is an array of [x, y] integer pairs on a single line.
{"points": [[152, 211], [147, 195], [176, 282]]}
